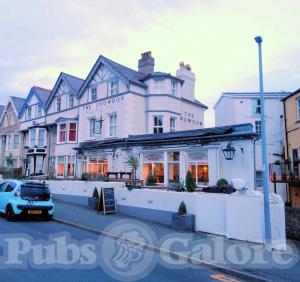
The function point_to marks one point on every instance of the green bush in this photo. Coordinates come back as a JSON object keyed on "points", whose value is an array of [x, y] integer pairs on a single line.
{"points": [[85, 176], [222, 182], [190, 182], [151, 180], [182, 208], [96, 193]]}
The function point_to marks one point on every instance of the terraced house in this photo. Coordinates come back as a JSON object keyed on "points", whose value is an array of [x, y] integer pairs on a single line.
{"points": [[10, 138]]}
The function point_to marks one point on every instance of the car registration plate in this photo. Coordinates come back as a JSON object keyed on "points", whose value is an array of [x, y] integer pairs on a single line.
{"points": [[34, 212]]}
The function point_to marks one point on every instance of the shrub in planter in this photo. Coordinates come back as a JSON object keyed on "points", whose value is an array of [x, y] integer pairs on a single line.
{"points": [[222, 182], [190, 182], [85, 176], [182, 220], [93, 201], [151, 180]]}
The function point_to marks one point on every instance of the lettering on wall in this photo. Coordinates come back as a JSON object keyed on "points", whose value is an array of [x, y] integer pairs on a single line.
{"points": [[190, 118], [106, 102]]}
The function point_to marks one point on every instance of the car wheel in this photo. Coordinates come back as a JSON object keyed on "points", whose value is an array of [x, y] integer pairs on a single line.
{"points": [[9, 213], [48, 217]]}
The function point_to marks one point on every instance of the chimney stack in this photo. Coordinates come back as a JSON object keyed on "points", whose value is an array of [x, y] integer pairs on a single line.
{"points": [[185, 73], [146, 63]]}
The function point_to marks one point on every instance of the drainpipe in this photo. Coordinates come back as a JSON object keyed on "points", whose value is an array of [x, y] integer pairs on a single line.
{"points": [[254, 162]]}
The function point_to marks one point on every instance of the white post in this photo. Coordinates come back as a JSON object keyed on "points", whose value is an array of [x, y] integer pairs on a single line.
{"points": [[166, 171]]}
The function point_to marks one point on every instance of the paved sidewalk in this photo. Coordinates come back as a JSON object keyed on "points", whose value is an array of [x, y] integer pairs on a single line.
{"points": [[257, 261]]}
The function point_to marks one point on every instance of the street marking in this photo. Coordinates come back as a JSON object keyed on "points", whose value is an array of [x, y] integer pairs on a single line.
{"points": [[222, 277]]}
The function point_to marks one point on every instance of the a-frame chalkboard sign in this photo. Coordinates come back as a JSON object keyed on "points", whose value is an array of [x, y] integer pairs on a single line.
{"points": [[107, 203]]}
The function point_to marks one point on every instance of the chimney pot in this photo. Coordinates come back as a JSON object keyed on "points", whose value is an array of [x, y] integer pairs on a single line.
{"points": [[146, 63]]}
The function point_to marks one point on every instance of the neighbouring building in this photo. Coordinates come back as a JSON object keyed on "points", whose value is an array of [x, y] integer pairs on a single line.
{"points": [[33, 129], [243, 107], [10, 137], [290, 170]]}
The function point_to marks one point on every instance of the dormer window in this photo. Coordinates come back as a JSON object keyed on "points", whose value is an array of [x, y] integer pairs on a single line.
{"points": [[93, 94], [58, 104], [173, 87], [159, 83], [29, 112], [39, 111], [71, 100], [113, 88]]}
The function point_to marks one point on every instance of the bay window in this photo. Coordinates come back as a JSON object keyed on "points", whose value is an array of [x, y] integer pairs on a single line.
{"points": [[72, 131], [62, 133], [198, 166], [41, 138], [60, 166], [32, 137]]}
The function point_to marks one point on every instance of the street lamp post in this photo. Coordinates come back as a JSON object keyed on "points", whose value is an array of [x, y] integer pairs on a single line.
{"points": [[258, 40]]}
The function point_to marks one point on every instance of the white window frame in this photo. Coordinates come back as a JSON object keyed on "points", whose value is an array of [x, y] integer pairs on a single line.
{"points": [[42, 144], [158, 83], [39, 111], [32, 140], [173, 87], [14, 143], [58, 102], [69, 129], [113, 88], [113, 120], [157, 127], [256, 106], [29, 112], [93, 94], [257, 126], [71, 100], [64, 163], [172, 126], [59, 131], [92, 127]]}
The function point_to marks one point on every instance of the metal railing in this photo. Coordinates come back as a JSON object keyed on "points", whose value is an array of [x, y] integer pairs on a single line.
{"points": [[285, 172]]}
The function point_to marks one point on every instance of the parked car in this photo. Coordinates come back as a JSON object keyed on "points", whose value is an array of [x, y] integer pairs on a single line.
{"points": [[25, 198]]}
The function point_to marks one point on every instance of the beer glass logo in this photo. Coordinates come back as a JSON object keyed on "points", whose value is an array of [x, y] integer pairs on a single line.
{"points": [[126, 256]]}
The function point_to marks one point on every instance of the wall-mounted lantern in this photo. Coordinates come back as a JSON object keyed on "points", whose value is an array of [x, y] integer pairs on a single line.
{"points": [[229, 151]]}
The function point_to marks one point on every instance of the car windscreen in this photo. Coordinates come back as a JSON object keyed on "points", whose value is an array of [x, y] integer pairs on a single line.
{"points": [[35, 192]]}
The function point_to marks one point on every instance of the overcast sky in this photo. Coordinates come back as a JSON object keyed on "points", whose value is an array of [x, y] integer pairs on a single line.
{"points": [[38, 39]]}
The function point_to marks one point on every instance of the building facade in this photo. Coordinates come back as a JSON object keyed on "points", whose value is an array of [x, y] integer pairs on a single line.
{"points": [[235, 108], [10, 138]]}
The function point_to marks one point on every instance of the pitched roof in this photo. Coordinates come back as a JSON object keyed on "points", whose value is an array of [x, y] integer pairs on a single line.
{"points": [[291, 94], [73, 82], [159, 74], [197, 136], [2, 107], [18, 103], [42, 94]]}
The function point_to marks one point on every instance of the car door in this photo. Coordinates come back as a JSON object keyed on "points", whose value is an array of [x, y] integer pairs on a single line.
{"points": [[8, 193], [2, 195]]}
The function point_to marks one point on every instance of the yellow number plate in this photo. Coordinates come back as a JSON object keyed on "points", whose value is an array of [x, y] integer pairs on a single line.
{"points": [[34, 212]]}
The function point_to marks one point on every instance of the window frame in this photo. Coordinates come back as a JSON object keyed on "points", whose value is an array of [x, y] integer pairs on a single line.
{"points": [[29, 112], [60, 131], [298, 108], [113, 87], [157, 128], [256, 106], [58, 102], [93, 94], [39, 111], [172, 127], [113, 122], [13, 144], [69, 131], [31, 139], [257, 127], [71, 100], [173, 87], [39, 138]]}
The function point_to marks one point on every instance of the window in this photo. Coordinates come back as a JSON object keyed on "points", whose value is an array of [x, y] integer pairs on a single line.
{"points": [[298, 108], [16, 142], [3, 186], [96, 167], [39, 111], [258, 128], [159, 83], [71, 100], [29, 112], [72, 131], [113, 88], [60, 166], [32, 137], [158, 124], [199, 172], [295, 161], [173, 166], [71, 166], [172, 124], [8, 142], [113, 125], [92, 127], [173, 87], [256, 106], [259, 178], [41, 139], [93, 94], [58, 104], [10, 187], [62, 133]]}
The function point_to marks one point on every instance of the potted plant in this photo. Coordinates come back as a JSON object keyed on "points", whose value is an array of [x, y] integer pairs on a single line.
{"points": [[133, 161], [190, 182], [183, 221], [151, 180], [93, 201]]}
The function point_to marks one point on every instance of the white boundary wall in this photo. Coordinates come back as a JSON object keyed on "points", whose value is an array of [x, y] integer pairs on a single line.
{"points": [[237, 216]]}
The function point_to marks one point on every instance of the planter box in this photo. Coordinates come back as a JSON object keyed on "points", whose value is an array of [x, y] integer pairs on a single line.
{"points": [[93, 203], [183, 222]]}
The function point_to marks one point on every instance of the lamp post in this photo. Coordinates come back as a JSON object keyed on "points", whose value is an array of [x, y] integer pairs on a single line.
{"points": [[267, 239]]}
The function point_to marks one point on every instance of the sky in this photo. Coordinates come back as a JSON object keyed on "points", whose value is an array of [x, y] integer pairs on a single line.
{"points": [[39, 39]]}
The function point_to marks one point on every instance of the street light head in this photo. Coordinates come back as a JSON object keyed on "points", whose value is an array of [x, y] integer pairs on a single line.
{"points": [[258, 39]]}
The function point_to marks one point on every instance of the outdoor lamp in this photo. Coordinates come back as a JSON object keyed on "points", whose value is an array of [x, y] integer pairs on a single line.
{"points": [[229, 151]]}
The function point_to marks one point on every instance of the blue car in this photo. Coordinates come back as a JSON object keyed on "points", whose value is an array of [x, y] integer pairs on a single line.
{"points": [[25, 198]]}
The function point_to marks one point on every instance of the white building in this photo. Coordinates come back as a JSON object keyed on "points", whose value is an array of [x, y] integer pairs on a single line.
{"points": [[235, 108]]}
